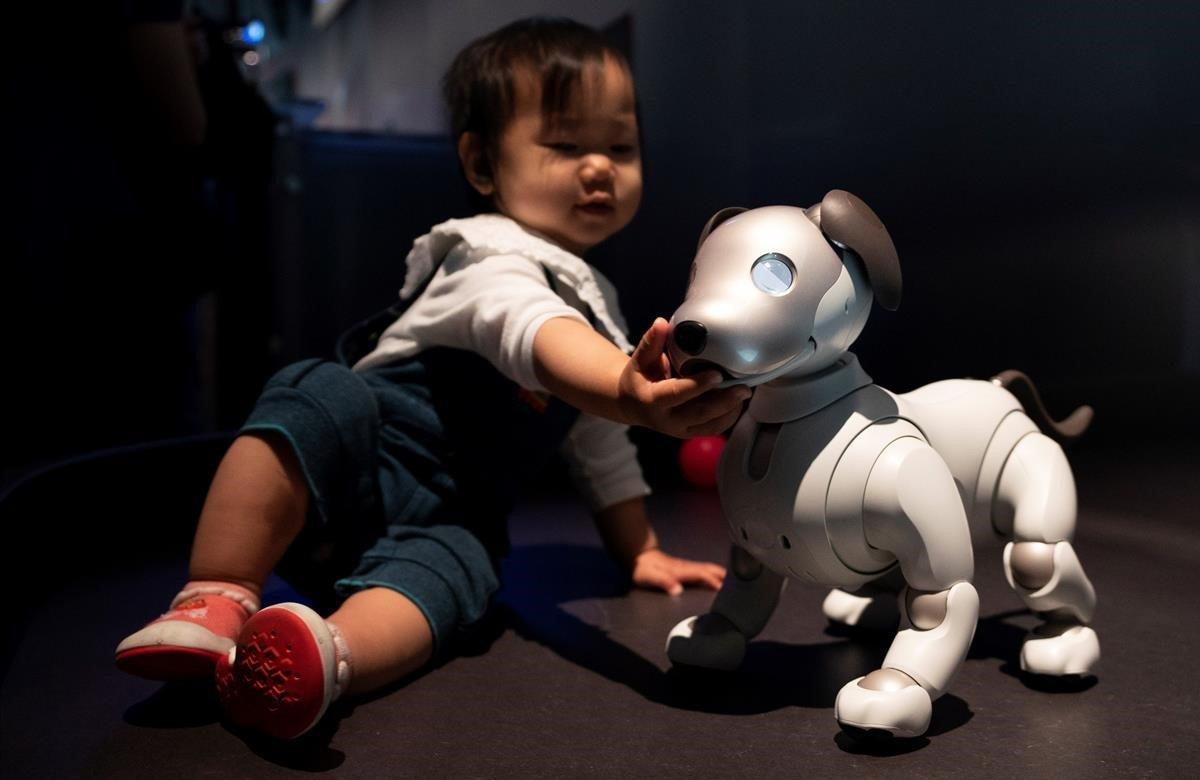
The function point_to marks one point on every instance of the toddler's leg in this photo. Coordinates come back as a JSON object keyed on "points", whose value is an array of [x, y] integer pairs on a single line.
{"points": [[410, 594], [254, 509], [387, 637], [289, 664]]}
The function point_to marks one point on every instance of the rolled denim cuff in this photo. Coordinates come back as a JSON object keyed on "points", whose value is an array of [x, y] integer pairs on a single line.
{"points": [[444, 570]]}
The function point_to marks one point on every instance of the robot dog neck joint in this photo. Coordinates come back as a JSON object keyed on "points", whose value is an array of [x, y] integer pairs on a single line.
{"points": [[792, 397]]}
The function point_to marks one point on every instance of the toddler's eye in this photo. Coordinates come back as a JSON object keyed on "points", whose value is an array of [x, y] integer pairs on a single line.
{"points": [[566, 147], [622, 149]]}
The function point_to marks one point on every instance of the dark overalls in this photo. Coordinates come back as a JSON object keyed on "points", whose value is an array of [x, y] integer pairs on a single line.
{"points": [[412, 469]]}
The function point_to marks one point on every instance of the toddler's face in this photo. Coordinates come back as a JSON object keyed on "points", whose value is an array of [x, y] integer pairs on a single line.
{"points": [[575, 178]]}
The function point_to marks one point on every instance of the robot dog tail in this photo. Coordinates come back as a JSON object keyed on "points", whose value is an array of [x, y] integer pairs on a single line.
{"points": [[1062, 431]]}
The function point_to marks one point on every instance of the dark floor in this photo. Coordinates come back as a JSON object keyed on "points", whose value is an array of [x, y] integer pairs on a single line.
{"points": [[575, 679]]}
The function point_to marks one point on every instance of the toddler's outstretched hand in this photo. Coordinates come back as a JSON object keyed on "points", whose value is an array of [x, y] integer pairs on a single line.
{"points": [[677, 406], [654, 569]]}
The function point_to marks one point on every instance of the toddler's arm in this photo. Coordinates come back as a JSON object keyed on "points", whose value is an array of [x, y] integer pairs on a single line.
{"points": [[581, 367], [631, 541]]}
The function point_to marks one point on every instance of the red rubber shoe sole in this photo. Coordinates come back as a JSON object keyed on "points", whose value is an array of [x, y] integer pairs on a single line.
{"points": [[167, 664], [279, 679]]}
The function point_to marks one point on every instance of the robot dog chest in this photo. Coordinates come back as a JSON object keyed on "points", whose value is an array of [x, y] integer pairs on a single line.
{"points": [[775, 487]]}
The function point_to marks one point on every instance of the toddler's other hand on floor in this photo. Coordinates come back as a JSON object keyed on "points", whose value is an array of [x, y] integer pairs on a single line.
{"points": [[655, 570]]}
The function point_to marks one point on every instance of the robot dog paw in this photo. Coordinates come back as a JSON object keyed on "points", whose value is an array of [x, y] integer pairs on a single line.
{"points": [[1060, 649], [875, 612], [901, 710], [707, 641]]}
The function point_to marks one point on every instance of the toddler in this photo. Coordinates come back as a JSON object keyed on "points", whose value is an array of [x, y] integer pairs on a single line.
{"points": [[395, 476]]}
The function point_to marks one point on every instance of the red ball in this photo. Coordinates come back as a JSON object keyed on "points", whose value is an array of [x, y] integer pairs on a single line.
{"points": [[698, 459]]}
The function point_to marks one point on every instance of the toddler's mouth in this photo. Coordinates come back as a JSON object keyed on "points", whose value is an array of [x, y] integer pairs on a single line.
{"points": [[600, 208]]}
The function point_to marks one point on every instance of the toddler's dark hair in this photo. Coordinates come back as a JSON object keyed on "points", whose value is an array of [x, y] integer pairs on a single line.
{"points": [[479, 85]]}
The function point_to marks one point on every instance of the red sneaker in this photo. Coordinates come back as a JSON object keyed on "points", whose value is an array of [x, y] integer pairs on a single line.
{"points": [[186, 642], [281, 676]]}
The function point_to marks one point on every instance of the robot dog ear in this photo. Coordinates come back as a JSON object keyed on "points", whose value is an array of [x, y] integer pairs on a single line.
{"points": [[850, 222], [717, 219]]}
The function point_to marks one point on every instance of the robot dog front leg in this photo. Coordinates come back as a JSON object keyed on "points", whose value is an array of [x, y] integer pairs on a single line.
{"points": [[1037, 493], [912, 509], [743, 606]]}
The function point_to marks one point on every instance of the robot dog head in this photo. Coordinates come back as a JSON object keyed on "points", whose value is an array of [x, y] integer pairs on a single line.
{"points": [[780, 289]]}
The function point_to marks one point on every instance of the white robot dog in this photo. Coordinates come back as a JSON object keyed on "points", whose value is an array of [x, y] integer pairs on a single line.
{"points": [[830, 479]]}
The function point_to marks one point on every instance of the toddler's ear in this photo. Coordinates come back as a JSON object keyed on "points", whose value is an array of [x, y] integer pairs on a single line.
{"points": [[473, 157]]}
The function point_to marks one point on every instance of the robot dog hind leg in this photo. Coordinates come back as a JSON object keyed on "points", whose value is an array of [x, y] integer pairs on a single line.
{"points": [[1036, 494]]}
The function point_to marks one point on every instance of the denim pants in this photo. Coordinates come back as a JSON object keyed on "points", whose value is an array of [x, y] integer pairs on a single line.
{"points": [[412, 469]]}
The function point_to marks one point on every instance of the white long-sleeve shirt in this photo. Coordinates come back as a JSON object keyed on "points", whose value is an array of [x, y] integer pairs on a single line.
{"points": [[489, 294]]}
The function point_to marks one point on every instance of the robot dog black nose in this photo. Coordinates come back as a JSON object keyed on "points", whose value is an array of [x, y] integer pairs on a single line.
{"points": [[690, 337]]}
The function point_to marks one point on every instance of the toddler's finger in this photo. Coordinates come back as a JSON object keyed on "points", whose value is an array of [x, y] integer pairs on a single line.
{"points": [[704, 574], [714, 581], [717, 425], [649, 350], [678, 391], [714, 405], [660, 579]]}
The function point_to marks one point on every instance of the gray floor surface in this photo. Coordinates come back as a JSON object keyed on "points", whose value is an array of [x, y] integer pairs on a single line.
{"points": [[573, 679]]}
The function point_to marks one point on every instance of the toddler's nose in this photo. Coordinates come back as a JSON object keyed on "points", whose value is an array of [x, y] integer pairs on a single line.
{"points": [[597, 168]]}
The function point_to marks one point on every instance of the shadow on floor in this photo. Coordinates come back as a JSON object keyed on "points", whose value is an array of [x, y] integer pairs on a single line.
{"points": [[542, 579], [773, 676]]}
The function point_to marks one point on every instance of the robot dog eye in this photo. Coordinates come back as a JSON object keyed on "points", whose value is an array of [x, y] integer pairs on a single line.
{"points": [[773, 273]]}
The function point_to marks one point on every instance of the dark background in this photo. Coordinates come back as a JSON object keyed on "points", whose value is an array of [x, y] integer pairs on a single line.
{"points": [[176, 228], [1037, 166]]}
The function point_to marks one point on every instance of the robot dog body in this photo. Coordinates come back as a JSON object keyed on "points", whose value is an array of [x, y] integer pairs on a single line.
{"points": [[831, 479]]}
